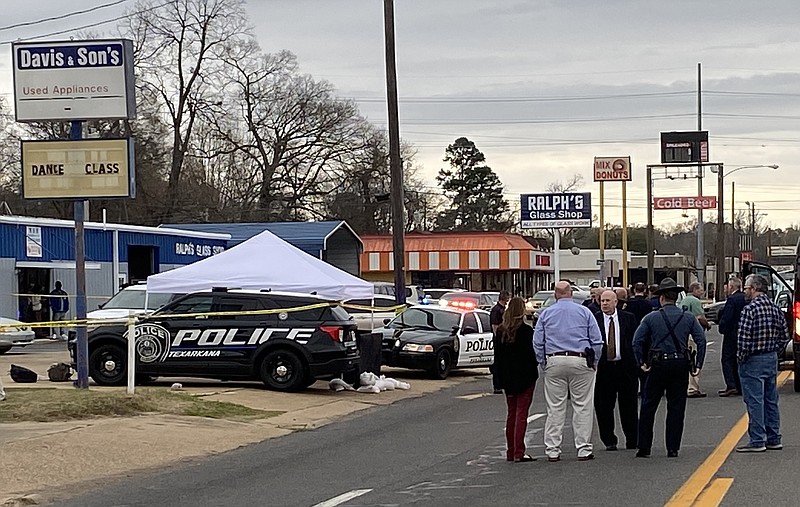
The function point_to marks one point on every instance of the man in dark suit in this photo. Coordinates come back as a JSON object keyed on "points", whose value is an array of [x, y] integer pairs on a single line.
{"points": [[617, 374], [638, 305], [729, 327]]}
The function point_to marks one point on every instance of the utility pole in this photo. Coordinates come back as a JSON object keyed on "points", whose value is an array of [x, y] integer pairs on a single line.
{"points": [[720, 274], [650, 233], [701, 256], [734, 232], [395, 164], [753, 229]]}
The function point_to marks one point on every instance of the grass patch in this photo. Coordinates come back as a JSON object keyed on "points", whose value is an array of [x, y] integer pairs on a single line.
{"points": [[47, 405]]}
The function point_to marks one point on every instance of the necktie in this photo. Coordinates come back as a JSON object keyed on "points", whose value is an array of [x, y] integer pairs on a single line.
{"points": [[611, 349]]}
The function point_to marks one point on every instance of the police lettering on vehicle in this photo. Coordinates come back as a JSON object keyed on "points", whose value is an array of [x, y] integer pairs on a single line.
{"points": [[153, 342], [479, 345]]}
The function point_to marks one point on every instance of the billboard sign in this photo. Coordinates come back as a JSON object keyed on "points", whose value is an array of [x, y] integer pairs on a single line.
{"points": [[85, 80], [84, 169], [612, 169], [547, 211], [703, 202], [684, 147]]}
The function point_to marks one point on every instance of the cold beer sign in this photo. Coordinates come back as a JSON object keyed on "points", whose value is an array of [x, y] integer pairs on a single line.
{"points": [[547, 211], [703, 202]]}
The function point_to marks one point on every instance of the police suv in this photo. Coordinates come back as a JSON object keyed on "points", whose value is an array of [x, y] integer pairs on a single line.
{"points": [[305, 339]]}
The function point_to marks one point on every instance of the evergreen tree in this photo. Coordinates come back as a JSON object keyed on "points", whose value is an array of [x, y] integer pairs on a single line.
{"points": [[475, 192]]}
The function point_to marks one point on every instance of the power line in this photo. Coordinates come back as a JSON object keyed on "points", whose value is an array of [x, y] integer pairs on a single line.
{"points": [[91, 25], [423, 121], [495, 100], [62, 16]]}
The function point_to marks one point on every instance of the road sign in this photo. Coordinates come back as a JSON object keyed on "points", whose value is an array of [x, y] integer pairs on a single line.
{"points": [[73, 80], [83, 169], [547, 211], [612, 169]]}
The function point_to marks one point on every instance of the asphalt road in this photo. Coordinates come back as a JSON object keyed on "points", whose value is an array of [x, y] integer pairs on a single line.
{"points": [[447, 449]]}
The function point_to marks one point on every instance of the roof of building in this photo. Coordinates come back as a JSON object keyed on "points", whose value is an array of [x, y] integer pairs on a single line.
{"points": [[311, 237], [449, 241], [172, 231]]}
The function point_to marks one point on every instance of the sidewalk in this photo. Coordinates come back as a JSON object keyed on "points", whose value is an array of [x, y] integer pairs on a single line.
{"points": [[47, 457]]}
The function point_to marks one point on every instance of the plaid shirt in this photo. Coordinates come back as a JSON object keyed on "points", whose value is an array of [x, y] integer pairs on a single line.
{"points": [[762, 328]]}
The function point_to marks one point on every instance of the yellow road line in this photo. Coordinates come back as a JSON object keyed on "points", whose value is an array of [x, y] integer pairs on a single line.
{"points": [[692, 488], [714, 494]]}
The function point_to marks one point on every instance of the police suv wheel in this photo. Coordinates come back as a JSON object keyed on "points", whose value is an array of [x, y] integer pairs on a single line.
{"points": [[444, 361], [107, 365], [4, 349], [282, 370]]}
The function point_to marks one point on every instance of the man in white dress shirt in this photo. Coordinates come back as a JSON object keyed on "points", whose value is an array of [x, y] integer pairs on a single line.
{"points": [[617, 374]]}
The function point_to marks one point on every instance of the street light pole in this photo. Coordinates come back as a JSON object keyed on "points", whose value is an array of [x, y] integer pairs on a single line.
{"points": [[720, 250]]}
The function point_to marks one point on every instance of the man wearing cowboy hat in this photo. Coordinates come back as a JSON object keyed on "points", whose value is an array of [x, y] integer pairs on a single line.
{"points": [[661, 348]]}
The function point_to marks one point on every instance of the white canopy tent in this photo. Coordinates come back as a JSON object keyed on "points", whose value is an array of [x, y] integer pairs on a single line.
{"points": [[263, 262]]}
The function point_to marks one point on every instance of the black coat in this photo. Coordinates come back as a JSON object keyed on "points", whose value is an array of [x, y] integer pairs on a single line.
{"points": [[627, 328], [515, 365], [729, 316], [639, 307]]}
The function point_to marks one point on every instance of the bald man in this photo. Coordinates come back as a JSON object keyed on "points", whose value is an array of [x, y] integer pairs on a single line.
{"points": [[567, 342], [617, 373]]}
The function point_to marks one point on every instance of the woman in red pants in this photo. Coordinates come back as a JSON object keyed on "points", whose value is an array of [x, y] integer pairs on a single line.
{"points": [[517, 371]]}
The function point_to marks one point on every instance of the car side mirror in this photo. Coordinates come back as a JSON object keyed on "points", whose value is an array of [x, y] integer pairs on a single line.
{"points": [[386, 321], [470, 330], [455, 329]]}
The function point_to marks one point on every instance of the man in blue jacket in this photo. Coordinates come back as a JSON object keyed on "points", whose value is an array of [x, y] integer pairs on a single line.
{"points": [[59, 305], [729, 327]]}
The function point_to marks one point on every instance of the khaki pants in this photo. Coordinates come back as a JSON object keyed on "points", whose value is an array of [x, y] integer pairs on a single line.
{"points": [[568, 379], [694, 382]]}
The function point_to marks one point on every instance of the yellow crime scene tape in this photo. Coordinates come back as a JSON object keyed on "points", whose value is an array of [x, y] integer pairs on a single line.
{"points": [[122, 320], [54, 296]]}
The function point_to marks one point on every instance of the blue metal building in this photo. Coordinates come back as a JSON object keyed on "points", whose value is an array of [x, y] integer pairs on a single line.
{"points": [[35, 252], [332, 241]]}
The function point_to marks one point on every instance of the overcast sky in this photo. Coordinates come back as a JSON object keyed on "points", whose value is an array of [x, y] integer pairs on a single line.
{"points": [[542, 87]]}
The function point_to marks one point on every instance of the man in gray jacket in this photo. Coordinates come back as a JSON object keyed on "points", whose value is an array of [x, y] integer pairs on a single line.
{"points": [[661, 347]]}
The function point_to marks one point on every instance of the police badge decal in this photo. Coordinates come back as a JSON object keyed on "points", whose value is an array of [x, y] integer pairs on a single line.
{"points": [[152, 342]]}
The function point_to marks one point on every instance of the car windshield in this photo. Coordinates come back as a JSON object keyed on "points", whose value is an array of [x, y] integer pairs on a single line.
{"points": [[542, 296], [550, 301], [134, 300], [426, 318]]}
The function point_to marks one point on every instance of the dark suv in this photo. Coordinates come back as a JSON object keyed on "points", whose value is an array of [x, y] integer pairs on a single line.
{"points": [[287, 350]]}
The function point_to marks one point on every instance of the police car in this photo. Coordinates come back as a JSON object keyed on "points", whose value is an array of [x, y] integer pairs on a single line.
{"points": [[438, 339], [287, 350]]}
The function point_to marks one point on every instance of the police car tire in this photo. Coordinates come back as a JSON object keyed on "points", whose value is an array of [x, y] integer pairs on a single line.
{"points": [[444, 361], [294, 377], [103, 353], [4, 349]]}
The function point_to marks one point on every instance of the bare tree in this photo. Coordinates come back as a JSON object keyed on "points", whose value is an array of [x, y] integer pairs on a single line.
{"points": [[177, 48]]}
